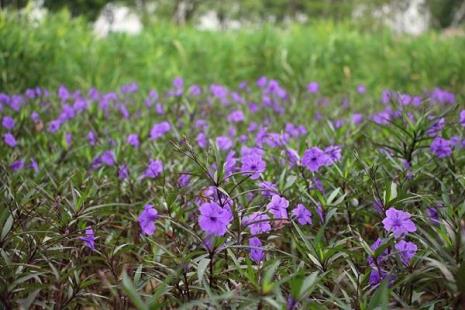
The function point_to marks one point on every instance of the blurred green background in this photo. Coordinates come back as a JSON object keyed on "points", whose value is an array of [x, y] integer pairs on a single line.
{"points": [[338, 43]]}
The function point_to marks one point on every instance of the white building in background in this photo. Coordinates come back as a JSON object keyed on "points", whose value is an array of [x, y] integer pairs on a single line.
{"points": [[117, 18], [412, 18]]}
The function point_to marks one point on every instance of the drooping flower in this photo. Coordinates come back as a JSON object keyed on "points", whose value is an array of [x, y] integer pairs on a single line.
{"points": [[406, 250], [256, 250], [398, 222], [89, 238], [441, 147], [154, 169], [278, 207], [314, 158], [159, 130], [213, 219], [147, 219], [433, 215], [302, 215]]}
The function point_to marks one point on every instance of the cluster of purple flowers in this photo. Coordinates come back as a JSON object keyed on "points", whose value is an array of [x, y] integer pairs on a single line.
{"points": [[400, 224]]}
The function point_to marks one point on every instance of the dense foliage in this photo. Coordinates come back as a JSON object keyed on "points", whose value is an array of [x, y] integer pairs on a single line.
{"points": [[340, 56], [253, 196]]}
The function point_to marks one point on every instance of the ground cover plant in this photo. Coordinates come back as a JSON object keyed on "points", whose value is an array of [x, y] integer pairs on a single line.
{"points": [[254, 196]]}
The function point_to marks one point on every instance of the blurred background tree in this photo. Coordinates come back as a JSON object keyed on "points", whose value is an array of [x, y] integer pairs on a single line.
{"points": [[443, 13]]}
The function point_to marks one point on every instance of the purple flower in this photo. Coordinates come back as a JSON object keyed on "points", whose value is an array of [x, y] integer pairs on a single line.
{"points": [[92, 138], [407, 251], [195, 90], [17, 165], [268, 189], [442, 96], [361, 89], [8, 122], [133, 140], [147, 220], [333, 153], [213, 219], [253, 165], [154, 169], [436, 128], [314, 158], [89, 238], [293, 157], [313, 87], [202, 141], [236, 116], [160, 109], [441, 147], [256, 250], [184, 180], [433, 215], [108, 158], [462, 118], [377, 275], [398, 222], [34, 166], [357, 118], [278, 207], [257, 222], [68, 138], [302, 215], [159, 130], [9, 139], [123, 172], [372, 261], [224, 143], [35, 117], [54, 126], [230, 163]]}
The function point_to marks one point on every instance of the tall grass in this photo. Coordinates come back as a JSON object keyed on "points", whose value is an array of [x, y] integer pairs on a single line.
{"points": [[61, 50]]}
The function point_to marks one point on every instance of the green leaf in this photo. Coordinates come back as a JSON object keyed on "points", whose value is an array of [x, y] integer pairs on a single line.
{"points": [[7, 227], [131, 292], [380, 298], [201, 268]]}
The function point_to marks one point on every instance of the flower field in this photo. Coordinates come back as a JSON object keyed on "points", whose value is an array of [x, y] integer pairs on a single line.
{"points": [[213, 197]]}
